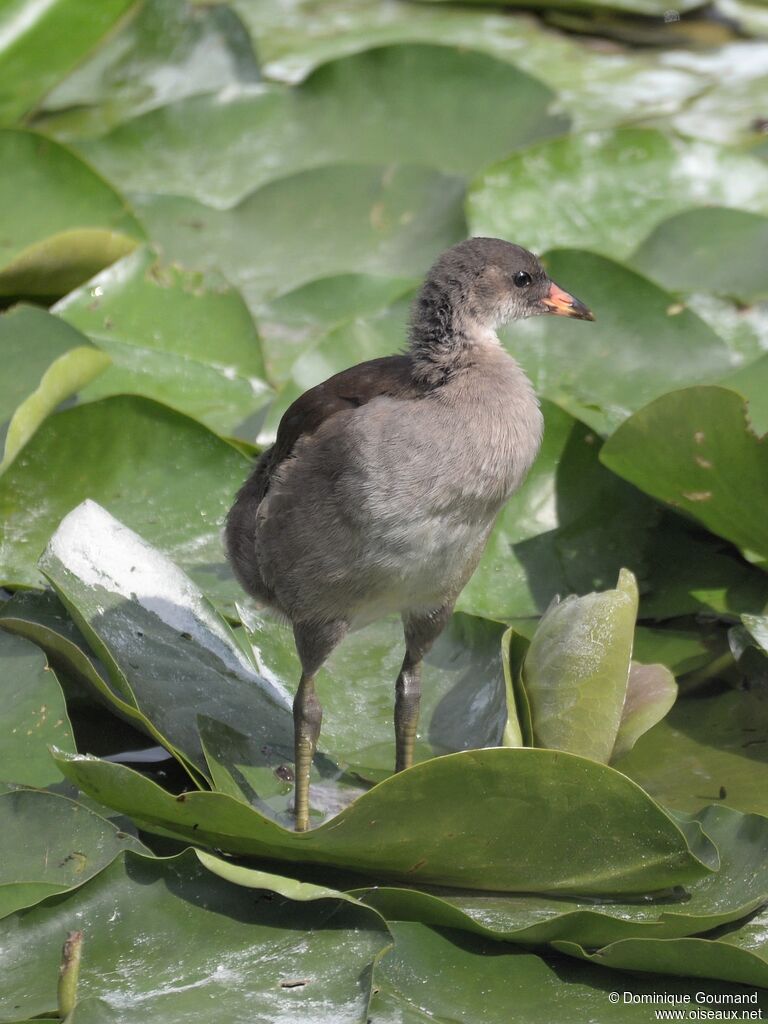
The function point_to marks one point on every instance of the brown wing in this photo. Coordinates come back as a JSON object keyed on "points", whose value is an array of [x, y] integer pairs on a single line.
{"points": [[390, 375]]}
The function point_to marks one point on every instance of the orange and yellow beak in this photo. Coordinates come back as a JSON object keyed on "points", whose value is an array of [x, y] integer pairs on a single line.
{"points": [[562, 304]]}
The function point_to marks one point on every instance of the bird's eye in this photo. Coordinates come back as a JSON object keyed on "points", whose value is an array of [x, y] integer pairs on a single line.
{"points": [[522, 279]]}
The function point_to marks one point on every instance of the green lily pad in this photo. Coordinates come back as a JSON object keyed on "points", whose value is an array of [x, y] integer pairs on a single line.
{"points": [[482, 979], [693, 571], [45, 362], [50, 844], [158, 471], [41, 617], [166, 51], [357, 108], [299, 319], [612, 188], [331, 220], [641, 346], [304, 956], [736, 890], [34, 714], [694, 450], [679, 254], [61, 222], [40, 43], [180, 338], [293, 41], [706, 749], [681, 645], [751, 381], [527, 833], [688, 958], [576, 670], [646, 7], [733, 111], [167, 650]]}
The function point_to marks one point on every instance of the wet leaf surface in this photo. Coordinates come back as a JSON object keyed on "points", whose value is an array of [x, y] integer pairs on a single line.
{"points": [[613, 188], [242, 947], [34, 714], [735, 891], [49, 845], [543, 988], [694, 449], [536, 796], [180, 338], [165, 52], [61, 222], [358, 108], [165, 475], [707, 749], [332, 220], [45, 362], [679, 255], [42, 42]]}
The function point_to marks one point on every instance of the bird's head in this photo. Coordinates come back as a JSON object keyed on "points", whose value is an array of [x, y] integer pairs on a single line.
{"points": [[491, 282]]}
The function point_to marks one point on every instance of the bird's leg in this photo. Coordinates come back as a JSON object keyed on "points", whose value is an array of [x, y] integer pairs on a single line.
{"points": [[314, 642], [421, 631]]}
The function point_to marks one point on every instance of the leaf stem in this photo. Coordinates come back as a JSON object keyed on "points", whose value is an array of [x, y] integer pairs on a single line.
{"points": [[69, 971]]}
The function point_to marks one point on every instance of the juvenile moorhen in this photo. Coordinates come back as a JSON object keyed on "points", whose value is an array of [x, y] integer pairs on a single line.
{"points": [[384, 482]]}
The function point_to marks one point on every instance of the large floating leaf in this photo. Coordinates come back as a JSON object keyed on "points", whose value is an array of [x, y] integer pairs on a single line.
{"points": [[49, 844], [41, 617], [751, 381], [448, 977], [357, 108], [642, 345], [737, 889], [164, 475], [40, 43], [610, 188], [165, 52], [689, 958], [44, 362], [279, 952], [61, 222], [694, 450], [332, 220], [733, 112], [34, 714], [707, 748], [595, 85], [506, 820], [647, 7], [679, 255], [298, 319], [180, 338], [693, 571], [168, 651]]}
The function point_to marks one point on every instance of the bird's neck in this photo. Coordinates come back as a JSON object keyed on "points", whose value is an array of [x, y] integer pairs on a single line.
{"points": [[446, 335]]}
